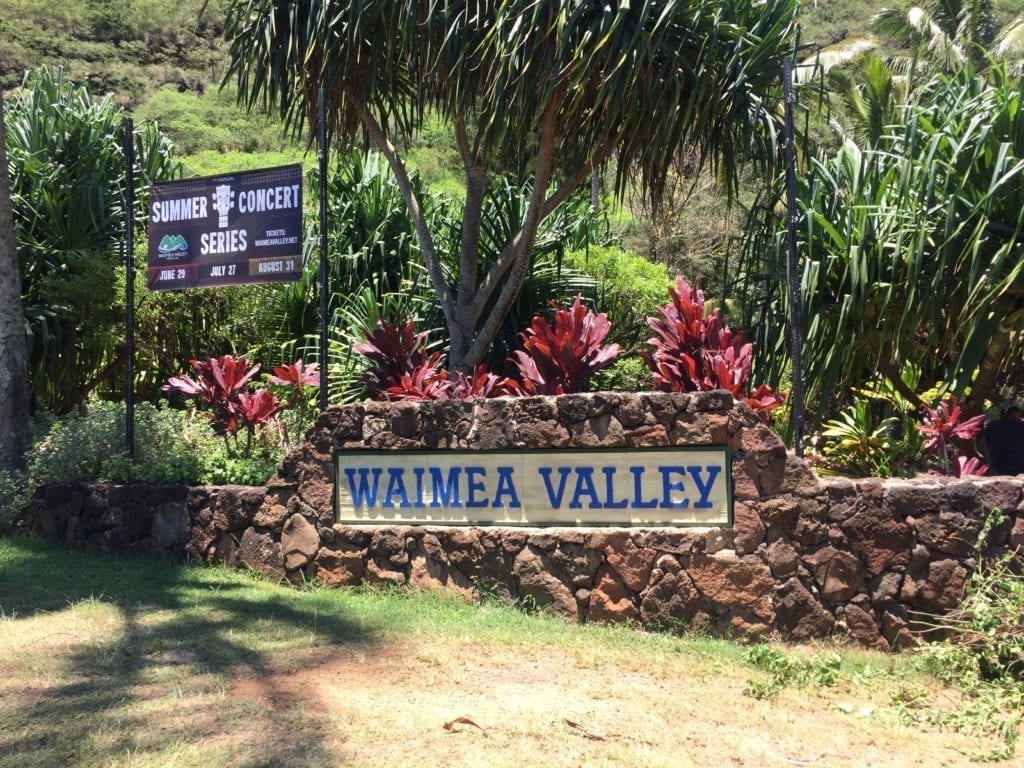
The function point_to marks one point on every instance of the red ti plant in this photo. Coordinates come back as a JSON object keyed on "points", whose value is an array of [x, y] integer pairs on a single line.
{"points": [[764, 400], [558, 359], [224, 385], [424, 383], [297, 376], [945, 433], [479, 383], [256, 409], [402, 368], [694, 351], [295, 380], [219, 382]]}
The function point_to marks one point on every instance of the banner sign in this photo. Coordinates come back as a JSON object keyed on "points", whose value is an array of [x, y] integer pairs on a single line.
{"points": [[625, 487], [226, 230]]}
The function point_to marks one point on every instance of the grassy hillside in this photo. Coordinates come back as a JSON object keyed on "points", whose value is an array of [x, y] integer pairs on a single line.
{"points": [[129, 47], [824, 22]]}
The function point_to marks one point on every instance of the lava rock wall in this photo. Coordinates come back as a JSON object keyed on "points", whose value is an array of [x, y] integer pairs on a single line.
{"points": [[805, 557]]}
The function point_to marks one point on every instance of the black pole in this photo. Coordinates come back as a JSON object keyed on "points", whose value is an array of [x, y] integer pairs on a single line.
{"points": [[129, 286], [796, 394], [322, 142]]}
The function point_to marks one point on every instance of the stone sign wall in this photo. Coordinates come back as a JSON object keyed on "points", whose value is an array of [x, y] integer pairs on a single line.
{"points": [[805, 557]]}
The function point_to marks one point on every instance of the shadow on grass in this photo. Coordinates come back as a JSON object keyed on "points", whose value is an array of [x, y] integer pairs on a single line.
{"points": [[159, 682]]}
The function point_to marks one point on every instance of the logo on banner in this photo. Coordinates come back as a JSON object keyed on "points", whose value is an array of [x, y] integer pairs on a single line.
{"points": [[223, 202], [170, 244]]}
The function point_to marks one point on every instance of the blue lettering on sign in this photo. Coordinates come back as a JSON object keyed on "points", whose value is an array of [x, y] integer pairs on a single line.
{"points": [[563, 475], [362, 492], [396, 487], [704, 489], [506, 487], [418, 471], [585, 487], [609, 487], [442, 494], [638, 487], [473, 486], [668, 485]]}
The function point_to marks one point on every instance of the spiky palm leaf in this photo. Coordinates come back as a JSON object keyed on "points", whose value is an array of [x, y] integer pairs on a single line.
{"points": [[911, 249]]}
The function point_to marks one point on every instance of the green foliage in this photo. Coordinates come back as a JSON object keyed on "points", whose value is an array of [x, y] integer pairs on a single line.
{"points": [[211, 162], [782, 670], [173, 327], [124, 46], [212, 121], [626, 374], [910, 252], [627, 288], [88, 443], [857, 445], [986, 632], [67, 195], [171, 446]]}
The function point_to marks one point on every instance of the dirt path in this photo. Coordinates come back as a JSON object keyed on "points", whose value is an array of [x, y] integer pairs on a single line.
{"points": [[463, 706]]}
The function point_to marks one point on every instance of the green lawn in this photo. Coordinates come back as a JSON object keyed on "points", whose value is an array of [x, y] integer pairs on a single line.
{"points": [[138, 662]]}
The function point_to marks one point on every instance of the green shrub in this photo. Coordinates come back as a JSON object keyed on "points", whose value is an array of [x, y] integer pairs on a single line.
{"points": [[628, 288], [89, 444], [626, 374], [782, 670], [171, 446], [986, 631]]}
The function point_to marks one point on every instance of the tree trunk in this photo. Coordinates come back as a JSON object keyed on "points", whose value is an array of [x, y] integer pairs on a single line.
{"points": [[13, 365], [984, 383]]}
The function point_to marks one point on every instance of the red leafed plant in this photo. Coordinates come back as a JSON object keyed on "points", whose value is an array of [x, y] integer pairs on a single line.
{"points": [[424, 383], [293, 381], [256, 409], [764, 400], [558, 359], [224, 386], [479, 383], [694, 351], [945, 435], [969, 466], [296, 375], [402, 368], [219, 382]]}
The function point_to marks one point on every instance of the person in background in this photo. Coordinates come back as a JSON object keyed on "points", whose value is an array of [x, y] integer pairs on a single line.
{"points": [[1004, 441]]}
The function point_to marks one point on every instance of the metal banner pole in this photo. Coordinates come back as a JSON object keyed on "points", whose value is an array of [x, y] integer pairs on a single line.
{"points": [[129, 285], [322, 141], [795, 323]]}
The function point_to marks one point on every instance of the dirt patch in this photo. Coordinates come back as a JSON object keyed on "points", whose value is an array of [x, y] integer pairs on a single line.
{"points": [[463, 704]]}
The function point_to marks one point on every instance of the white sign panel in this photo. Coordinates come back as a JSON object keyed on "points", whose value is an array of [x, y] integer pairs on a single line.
{"points": [[622, 487]]}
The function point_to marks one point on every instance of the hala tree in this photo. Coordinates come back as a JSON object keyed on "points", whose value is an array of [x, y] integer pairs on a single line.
{"points": [[13, 368], [67, 195], [562, 86], [911, 251]]}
